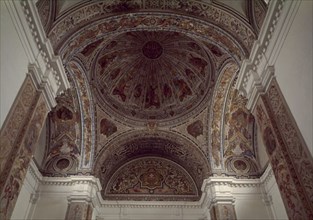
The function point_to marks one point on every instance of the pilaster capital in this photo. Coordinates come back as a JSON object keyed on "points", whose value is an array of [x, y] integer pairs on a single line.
{"points": [[79, 198]]}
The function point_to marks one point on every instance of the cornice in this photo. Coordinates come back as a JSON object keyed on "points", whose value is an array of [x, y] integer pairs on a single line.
{"points": [[152, 205], [45, 68], [257, 71], [72, 180], [63, 181], [229, 181], [211, 191]]}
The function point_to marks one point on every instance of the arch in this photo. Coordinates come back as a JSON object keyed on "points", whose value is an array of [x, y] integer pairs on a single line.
{"points": [[77, 74], [116, 25], [151, 178], [216, 113], [137, 144], [83, 14]]}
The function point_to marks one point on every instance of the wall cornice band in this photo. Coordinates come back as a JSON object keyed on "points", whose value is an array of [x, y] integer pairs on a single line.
{"points": [[216, 190], [257, 71], [46, 69]]}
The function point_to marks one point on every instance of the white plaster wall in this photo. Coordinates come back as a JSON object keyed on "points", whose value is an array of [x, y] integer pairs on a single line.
{"points": [[13, 62], [51, 207], [151, 213], [249, 202], [276, 202], [24, 204], [294, 71], [251, 207]]}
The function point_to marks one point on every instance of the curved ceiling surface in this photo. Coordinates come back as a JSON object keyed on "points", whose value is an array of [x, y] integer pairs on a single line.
{"points": [[171, 147], [151, 178], [142, 76], [152, 75]]}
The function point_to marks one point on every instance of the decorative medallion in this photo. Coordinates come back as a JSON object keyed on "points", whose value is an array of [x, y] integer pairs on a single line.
{"points": [[107, 127], [152, 49], [62, 164], [195, 129]]}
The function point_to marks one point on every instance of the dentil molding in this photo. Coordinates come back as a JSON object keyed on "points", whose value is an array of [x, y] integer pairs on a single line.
{"points": [[258, 70], [45, 69], [214, 190]]}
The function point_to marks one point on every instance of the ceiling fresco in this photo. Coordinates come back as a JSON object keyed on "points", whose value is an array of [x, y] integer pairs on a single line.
{"points": [[162, 144], [152, 111], [151, 178], [152, 75]]}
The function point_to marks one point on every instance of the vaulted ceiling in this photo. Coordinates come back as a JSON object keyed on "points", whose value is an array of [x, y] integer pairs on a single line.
{"points": [[152, 110]]}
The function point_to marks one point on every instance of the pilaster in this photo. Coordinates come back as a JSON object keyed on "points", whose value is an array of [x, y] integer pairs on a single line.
{"points": [[19, 136], [79, 208], [288, 154]]}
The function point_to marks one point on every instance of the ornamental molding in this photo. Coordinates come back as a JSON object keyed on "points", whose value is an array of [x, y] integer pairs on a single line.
{"points": [[45, 68], [215, 190], [229, 181], [63, 181], [72, 181], [79, 198], [162, 204], [89, 11], [257, 71]]}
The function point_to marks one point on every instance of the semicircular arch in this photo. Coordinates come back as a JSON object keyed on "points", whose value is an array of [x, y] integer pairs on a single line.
{"points": [[137, 144]]}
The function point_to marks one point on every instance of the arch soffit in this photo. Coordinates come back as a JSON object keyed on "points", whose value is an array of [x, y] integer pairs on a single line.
{"points": [[160, 143], [81, 15], [150, 178], [194, 28], [77, 75], [216, 113], [188, 25], [215, 119]]}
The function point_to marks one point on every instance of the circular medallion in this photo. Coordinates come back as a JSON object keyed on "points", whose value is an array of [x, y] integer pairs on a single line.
{"points": [[152, 50], [62, 164], [240, 165]]}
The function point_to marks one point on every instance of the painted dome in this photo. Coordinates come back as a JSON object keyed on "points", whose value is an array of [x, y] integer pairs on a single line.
{"points": [[152, 75]]}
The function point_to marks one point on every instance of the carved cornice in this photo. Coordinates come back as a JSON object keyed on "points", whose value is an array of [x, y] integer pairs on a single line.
{"points": [[45, 68], [152, 205], [257, 72], [212, 192], [229, 181], [63, 181]]}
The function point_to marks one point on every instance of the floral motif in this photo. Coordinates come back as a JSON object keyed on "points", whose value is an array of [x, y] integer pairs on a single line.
{"points": [[151, 177]]}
